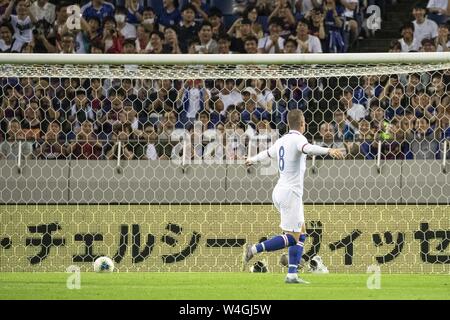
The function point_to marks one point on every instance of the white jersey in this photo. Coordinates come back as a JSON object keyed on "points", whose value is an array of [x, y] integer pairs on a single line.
{"points": [[288, 150]]}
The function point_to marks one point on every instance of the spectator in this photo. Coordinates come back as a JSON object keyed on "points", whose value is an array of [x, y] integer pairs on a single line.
{"points": [[59, 26], [112, 39], [424, 144], [201, 10], [290, 46], [143, 40], [251, 45], [127, 148], [343, 130], [233, 119], [43, 10], [229, 94], [32, 121], [368, 89], [306, 43], [216, 20], [97, 8], [351, 14], [192, 96], [251, 13], [329, 140], [395, 46], [134, 12], [165, 128], [422, 106], [170, 16], [378, 121], [443, 39], [22, 23], [272, 43], [251, 112], [395, 147], [126, 29], [408, 42], [365, 147], [187, 28], [156, 41], [95, 30], [204, 118], [304, 7], [217, 112], [207, 43], [334, 22], [423, 27], [438, 91], [129, 46], [240, 30], [8, 43], [284, 12], [3, 5], [438, 10], [264, 96], [9, 149], [171, 40], [150, 139], [149, 19], [81, 110], [394, 104], [162, 100], [414, 83], [96, 47], [316, 24], [86, 145], [53, 145], [224, 44], [428, 45], [355, 112], [67, 43]]}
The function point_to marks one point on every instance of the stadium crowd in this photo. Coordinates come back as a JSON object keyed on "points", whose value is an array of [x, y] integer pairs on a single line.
{"points": [[60, 118]]}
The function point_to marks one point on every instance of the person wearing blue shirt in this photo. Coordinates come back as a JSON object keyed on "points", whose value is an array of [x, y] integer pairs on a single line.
{"points": [[367, 90], [97, 8], [395, 107], [170, 16]]}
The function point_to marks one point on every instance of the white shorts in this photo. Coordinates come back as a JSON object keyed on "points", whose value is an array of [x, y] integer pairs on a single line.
{"points": [[290, 206]]}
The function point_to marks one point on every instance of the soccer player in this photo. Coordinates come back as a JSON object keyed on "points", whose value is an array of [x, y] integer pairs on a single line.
{"points": [[290, 151]]}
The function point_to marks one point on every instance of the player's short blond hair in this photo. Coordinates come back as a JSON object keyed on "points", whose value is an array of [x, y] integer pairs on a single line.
{"points": [[295, 119]]}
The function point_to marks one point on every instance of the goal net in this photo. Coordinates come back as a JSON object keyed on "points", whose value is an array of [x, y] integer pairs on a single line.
{"points": [[141, 158]]}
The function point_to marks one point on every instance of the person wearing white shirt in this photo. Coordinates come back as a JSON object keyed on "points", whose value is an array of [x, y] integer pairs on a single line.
{"points": [[407, 41], [127, 30], [307, 43], [22, 22], [42, 9], [438, 11], [423, 27], [443, 39], [272, 43], [7, 41], [229, 95], [355, 112]]}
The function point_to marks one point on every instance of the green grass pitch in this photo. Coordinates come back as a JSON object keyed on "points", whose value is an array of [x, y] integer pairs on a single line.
{"points": [[218, 286]]}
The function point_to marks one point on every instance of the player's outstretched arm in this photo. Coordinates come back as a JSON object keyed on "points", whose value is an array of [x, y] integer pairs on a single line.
{"points": [[315, 150], [258, 158], [263, 155]]}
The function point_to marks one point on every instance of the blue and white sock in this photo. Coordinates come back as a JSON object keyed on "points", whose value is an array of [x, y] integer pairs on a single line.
{"points": [[295, 254], [276, 243]]}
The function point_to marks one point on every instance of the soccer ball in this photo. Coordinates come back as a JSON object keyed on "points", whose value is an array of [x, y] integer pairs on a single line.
{"points": [[103, 264]]}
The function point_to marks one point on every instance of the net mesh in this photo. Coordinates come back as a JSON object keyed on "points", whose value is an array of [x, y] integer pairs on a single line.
{"points": [[145, 164]]}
